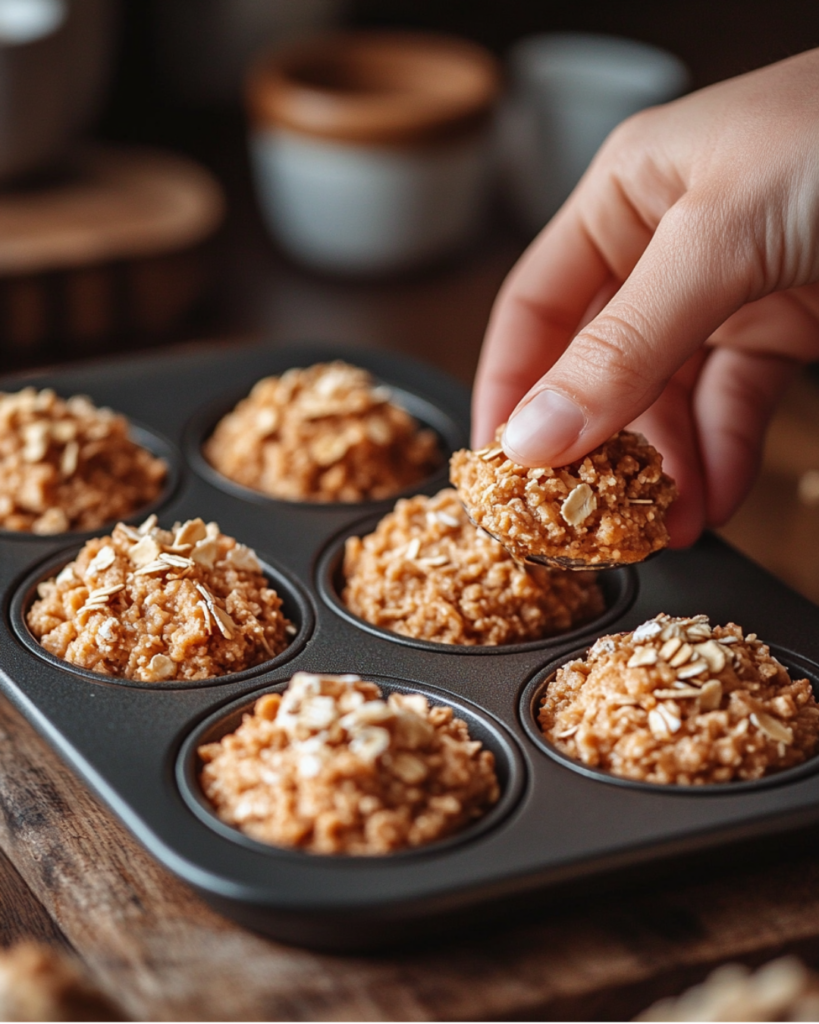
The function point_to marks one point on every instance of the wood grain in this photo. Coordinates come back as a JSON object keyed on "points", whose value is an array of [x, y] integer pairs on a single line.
{"points": [[156, 949], [22, 916]]}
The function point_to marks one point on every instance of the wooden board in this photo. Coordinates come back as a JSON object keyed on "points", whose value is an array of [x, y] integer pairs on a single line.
{"points": [[108, 250], [157, 950]]}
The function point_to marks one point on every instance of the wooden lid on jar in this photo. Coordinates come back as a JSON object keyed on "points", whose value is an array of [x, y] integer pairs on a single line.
{"points": [[395, 89]]}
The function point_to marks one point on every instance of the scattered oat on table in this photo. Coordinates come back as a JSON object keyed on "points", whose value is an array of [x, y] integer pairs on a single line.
{"points": [[67, 465], [680, 701], [427, 572], [781, 990], [331, 767], [160, 605], [326, 433], [37, 983], [608, 506]]}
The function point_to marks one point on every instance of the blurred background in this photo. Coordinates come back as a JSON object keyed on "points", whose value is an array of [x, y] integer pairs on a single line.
{"points": [[143, 193]]}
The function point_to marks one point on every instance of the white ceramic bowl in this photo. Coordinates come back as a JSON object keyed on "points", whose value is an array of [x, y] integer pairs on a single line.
{"points": [[371, 152]]}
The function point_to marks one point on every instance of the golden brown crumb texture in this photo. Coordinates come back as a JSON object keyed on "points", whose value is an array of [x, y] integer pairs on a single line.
{"points": [[161, 605], [331, 767], [326, 433], [67, 465], [428, 573], [608, 506], [680, 701]]}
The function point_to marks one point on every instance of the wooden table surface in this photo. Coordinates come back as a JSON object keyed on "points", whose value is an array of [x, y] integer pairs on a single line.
{"points": [[72, 876]]}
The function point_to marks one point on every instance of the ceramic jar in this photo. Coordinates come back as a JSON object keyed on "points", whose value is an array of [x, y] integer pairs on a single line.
{"points": [[371, 150]]}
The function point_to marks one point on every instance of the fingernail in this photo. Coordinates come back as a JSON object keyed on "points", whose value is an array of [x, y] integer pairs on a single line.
{"points": [[544, 428]]}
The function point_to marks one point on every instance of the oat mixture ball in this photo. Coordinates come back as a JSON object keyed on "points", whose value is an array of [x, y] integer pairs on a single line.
{"points": [[680, 701], [327, 433], [427, 572], [67, 465], [331, 767], [607, 507], [161, 605]]}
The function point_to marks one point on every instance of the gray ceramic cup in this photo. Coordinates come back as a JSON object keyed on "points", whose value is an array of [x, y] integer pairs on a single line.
{"points": [[55, 57]]}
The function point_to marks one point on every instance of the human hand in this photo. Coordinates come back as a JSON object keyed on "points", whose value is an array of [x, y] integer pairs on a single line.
{"points": [[676, 290]]}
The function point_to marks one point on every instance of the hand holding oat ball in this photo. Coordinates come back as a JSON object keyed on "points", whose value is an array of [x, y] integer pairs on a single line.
{"points": [[676, 290]]}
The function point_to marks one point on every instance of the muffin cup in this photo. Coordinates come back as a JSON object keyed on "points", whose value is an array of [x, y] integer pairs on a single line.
{"points": [[619, 593], [450, 436], [536, 688], [296, 606], [157, 446], [509, 765]]}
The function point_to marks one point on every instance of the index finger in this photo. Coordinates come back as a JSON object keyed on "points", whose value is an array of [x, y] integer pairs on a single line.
{"points": [[536, 314]]}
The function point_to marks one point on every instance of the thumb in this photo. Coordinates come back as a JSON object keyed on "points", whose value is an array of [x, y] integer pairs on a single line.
{"points": [[691, 277]]}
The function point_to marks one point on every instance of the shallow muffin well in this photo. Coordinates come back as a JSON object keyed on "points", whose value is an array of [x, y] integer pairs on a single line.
{"points": [[619, 590], [296, 606], [529, 709], [200, 428], [509, 768]]}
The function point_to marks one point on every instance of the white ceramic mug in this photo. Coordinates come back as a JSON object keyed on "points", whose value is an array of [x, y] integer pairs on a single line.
{"points": [[568, 91], [371, 151]]}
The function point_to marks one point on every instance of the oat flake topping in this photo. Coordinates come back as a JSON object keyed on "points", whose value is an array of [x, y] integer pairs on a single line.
{"points": [[331, 767], [67, 465], [680, 701], [160, 605], [606, 507], [325, 433], [427, 572]]}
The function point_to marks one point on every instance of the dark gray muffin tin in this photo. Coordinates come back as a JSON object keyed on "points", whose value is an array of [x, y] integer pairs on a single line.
{"points": [[557, 824]]}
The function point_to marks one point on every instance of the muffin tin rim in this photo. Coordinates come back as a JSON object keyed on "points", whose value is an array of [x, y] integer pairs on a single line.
{"points": [[512, 796], [328, 564], [534, 688], [160, 447], [24, 588], [201, 424]]}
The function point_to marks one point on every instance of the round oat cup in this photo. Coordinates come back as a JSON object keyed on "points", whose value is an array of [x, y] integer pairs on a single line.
{"points": [[537, 685], [451, 436], [509, 766], [296, 605], [619, 588], [159, 447]]}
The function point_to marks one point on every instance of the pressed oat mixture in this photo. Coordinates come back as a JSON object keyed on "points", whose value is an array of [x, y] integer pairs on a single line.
{"points": [[677, 701], [67, 465], [330, 767], [326, 433], [427, 572], [160, 605], [607, 507]]}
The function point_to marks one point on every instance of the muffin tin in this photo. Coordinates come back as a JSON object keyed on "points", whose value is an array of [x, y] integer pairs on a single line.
{"points": [[556, 824]]}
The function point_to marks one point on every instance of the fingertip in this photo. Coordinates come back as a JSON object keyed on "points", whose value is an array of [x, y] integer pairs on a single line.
{"points": [[540, 431]]}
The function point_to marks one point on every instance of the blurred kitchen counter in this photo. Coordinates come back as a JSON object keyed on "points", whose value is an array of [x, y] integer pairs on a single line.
{"points": [[778, 524]]}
